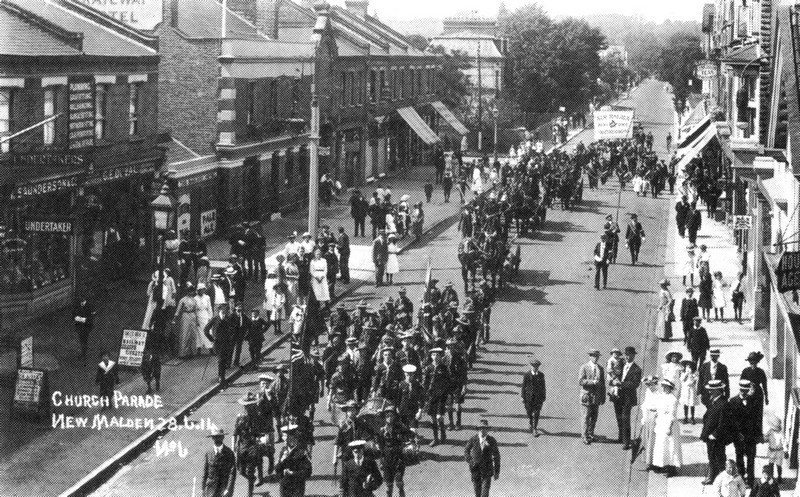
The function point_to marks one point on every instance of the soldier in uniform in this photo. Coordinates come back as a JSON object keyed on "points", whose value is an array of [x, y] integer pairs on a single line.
{"points": [[349, 429], [457, 368], [387, 376], [486, 314], [404, 303], [409, 398], [360, 474], [248, 430], [449, 295], [407, 354], [294, 465], [219, 468], [267, 408], [391, 440], [280, 391], [436, 385]]}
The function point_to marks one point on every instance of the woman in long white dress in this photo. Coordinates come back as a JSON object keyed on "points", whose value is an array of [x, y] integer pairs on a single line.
{"points": [[671, 370], [649, 409], [319, 277], [186, 320], [391, 223], [667, 450], [719, 299], [477, 181], [392, 263], [205, 312], [689, 265]]}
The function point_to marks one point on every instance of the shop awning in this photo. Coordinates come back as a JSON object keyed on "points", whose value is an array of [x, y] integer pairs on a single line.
{"points": [[419, 126], [451, 119], [696, 147], [697, 130], [695, 116]]}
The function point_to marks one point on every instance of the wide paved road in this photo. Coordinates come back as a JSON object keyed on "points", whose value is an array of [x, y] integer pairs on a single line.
{"points": [[553, 312]]}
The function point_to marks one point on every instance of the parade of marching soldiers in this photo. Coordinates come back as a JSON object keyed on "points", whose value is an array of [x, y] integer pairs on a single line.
{"points": [[396, 377]]}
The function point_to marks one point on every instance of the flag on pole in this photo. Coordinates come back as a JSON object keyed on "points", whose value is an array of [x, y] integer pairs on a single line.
{"points": [[428, 274]]}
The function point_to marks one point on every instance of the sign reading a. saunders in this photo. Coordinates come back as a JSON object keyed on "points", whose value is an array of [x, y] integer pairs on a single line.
{"points": [[788, 272], [613, 124]]}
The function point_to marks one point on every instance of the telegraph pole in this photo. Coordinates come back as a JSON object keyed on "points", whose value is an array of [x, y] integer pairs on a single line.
{"points": [[313, 173], [480, 102]]}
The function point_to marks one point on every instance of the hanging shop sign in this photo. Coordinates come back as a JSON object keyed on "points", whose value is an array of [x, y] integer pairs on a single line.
{"points": [[208, 223], [44, 224], [742, 223], [706, 70], [788, 272], [81, 111]]}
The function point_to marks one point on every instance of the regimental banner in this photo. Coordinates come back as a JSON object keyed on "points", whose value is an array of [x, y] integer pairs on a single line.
{"points": [[26, 353], [208, 223], [139, 14], [131, 350], [613, 124], [788, 272], [81, 111], [43, 224]]}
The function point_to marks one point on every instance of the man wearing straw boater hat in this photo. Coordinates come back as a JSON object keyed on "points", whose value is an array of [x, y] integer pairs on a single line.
{"points": [[716, 432], [743, 410], [360, 474], [294, 465], [219, 468]]}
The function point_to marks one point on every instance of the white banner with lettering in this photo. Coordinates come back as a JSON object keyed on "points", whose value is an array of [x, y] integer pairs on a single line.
{"points": [[613, 124], [139, 14]]}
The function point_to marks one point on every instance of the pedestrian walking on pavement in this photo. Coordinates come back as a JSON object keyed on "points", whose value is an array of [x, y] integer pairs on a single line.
{"points": [[343, 250], [682, 210], [417, 220], [187, 323], [699, 343], [713, 370], [666, 313], [634, 236], [107, 378], [359, 208], [766, 486], [706, 287], [534, 393], [649, 411], [219, 467], [602, 254], [319, 277], [689, 390], [716, 431], [626, 400], [689, 265], [220, 331], [729, 483], [483, 459], [694, 221], [671, 369], [592, 380], [759, 392], [83, 317], [667, 448], [392, 261], [151, 369], [744, 414], [689, 311], [775, 452], [205, 312], [737, 297], [719, 296], [380, 255]]}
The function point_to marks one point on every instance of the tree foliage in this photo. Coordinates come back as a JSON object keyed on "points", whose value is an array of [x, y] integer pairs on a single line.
{"points": [[677, 66], [418, 41], [454, 88], [551, 63]]}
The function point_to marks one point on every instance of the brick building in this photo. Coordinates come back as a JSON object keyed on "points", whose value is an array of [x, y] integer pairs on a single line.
{"points": [[381, 113], [75, 187], [237, 105]]}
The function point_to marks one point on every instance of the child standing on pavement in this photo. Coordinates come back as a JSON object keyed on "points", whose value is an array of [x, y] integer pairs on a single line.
{"points": [[719, 296], [688, 393], [689, 265], [614, 368], [775, 453]]}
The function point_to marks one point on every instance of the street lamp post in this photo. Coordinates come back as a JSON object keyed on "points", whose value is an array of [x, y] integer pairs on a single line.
{"points": [[163, 218], [495, 114]]}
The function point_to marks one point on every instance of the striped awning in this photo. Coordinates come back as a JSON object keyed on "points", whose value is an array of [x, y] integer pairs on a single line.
{"points": [[451, 118], [419, 126]]}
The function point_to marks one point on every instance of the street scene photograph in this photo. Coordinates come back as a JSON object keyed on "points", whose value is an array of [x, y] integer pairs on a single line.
{"points": [[366, 248]]}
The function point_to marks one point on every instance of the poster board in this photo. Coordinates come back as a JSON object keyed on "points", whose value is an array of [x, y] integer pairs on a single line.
{"points": [[742, 223], [208, 223], [31, 393], [131, 349], [26, 353], [613, 124]]}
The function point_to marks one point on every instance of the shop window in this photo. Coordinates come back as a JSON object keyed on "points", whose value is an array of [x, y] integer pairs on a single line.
{"points": [[393, 89], [382, 95], [49, 128], [352, 76], [360, 91], [273, 97], [251, 102], [419, 82], [402, 84], [100, 111], [344, 89], [5, 117], [134, 109], [372, 86]]}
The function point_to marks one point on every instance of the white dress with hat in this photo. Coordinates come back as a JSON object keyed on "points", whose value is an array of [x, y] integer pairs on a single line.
{"points": [[719, 294], [392, 263], [667, 450], [649, 409], [319, 279], [689, 264], [688, 395], [672, 372], [205, 312]]}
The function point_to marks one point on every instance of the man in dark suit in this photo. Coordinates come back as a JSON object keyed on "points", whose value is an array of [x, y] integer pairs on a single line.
{"points": [[689, 311], [533, 394], [380, 254], [626, 400], [602, 255], [241, 324], [746, 422], [681, 215], [360, 474], [698, 342], [713, 370], [220, 330], [694, 220], [219, 469], [716, 429], [343, 247], [294, 465], [634, 236], [483, 459], [358, 209], [83, 316]]}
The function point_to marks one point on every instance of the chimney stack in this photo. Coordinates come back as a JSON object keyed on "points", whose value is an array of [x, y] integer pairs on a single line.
{"points": [[357, 7]]}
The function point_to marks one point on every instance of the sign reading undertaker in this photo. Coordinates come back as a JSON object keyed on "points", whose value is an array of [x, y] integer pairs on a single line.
{"points": [[788, 272], [47, 225]]}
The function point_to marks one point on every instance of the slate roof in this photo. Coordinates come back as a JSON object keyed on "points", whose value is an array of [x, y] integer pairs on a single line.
{"points": [[60, 20], [469, 45], [202, 19]]}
